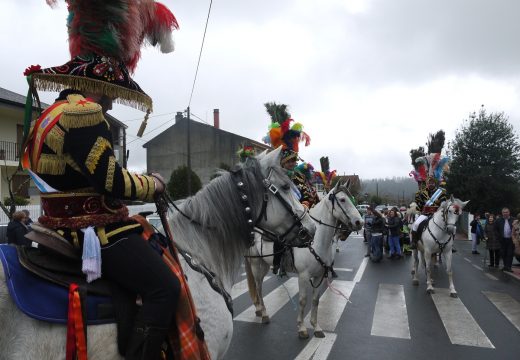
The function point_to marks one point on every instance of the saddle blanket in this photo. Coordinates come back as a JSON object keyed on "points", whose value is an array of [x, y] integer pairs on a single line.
{"points": [[43, 300]]}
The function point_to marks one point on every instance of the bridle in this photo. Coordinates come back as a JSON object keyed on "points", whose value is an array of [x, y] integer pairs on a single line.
{"points": [[334, 200], [255, 225], [446, 224]]}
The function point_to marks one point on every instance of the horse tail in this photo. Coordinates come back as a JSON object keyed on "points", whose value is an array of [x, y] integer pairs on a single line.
{"points": [[251, 283]]}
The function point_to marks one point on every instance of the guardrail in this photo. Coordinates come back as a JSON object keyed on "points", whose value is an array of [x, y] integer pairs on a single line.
{"points": [[9, 151]]}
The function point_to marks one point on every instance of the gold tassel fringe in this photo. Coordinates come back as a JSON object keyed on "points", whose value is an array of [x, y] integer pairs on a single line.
{"points": [[51, 164], [78, 120]]}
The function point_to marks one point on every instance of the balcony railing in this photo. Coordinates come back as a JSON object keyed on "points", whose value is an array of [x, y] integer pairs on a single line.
{"points": [[9, 151]]}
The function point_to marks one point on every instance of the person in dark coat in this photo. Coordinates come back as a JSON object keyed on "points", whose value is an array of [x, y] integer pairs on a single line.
{"points": [[476, 234], [504, 232], [16, 230], [393, 224], [493, 244], [376, 239]]}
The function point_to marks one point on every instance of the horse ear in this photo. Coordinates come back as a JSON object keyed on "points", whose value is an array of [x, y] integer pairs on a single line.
{"points": [[261, 155], [335, 187], [273, 158], [452, 199], [347, 184], [465, 203]]}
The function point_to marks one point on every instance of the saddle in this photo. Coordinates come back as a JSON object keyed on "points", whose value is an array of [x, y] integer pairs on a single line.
{"points": [[422, 226]]}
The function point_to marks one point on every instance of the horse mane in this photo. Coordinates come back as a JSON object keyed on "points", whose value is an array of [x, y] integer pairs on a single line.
{"points": [[218, 234]]}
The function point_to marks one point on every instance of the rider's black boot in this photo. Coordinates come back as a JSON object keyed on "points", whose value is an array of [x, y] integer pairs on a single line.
{"points": [[413, 237], [147, 343]]}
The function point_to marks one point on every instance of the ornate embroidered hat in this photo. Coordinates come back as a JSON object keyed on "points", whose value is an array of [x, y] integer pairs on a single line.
{"points": [[105, 38], [245, 152], [430, 168]]}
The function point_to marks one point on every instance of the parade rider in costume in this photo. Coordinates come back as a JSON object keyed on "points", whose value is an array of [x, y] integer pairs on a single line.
{"points": [[429, 171], [69, 153], [282, 133]]}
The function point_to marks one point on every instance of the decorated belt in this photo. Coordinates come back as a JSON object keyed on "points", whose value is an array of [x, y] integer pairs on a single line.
{"points": [[80, 210], [429, 209]]}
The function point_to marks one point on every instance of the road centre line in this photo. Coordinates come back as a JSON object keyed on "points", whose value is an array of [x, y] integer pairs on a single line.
{"points": [[361, 270], [491, 276], [460, 325], [468, 260], [477, 267]]}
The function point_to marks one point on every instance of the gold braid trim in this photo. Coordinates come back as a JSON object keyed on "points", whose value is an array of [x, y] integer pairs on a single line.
{"points": [[75, 120], [109, 182], [70, 161], [138, 186], [151, 188], [51, 164], [55, 139], [99, 147], [128, 185], [120, 94]]}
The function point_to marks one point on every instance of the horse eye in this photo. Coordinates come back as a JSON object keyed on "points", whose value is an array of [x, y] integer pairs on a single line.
{"points": [[342, 200], [286, 187]]}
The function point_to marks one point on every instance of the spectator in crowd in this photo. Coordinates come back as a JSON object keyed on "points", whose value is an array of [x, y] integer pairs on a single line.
{"points": [[476, 233], [28, 220], [376, 240], [367, 231], [504, 232], [493, 244], [16, 230], [393, 224], [516, 236]]}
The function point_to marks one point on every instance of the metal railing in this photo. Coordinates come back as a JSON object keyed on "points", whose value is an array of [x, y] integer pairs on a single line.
{"points": [[9, 151]]}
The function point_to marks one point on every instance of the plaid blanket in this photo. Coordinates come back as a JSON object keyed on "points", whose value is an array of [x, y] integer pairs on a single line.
{"points": [[186, 337]]}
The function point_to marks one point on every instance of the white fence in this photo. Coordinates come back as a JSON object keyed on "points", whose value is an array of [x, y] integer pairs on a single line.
{"points": [[35, 211]]}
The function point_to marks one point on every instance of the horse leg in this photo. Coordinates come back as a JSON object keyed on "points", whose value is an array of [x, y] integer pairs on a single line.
{"points": [[318, 332], [415, 279], [302, 291], [427, 257], [256, 269], [447, 258]]}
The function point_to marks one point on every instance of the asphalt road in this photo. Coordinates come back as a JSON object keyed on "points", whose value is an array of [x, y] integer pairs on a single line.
{"points": [[388, 317]]}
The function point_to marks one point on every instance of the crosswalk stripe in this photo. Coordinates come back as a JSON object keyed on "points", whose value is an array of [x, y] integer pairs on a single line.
{"points": [[273, 302], [317, 348], [241, 287], [332, 305], [343, 269], [390, 315], [361, 270], [460, 325], [506, 305]]}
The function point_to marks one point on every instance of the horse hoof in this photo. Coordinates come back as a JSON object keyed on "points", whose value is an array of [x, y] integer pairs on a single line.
{"points": [[430, 291], [265, 319], [258, 313], [454, 295], [303, 334], [319, 334], [415, 282]]}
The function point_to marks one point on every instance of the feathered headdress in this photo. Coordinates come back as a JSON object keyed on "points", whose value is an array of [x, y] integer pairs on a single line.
{"points": [[325, 176], [306, 169], [280, 130], [245, 152], [105, 39], [433, 165]]}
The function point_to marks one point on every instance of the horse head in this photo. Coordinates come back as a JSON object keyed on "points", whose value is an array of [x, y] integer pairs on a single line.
{"points": [[340, 204], [451, 210], [283, 214]]}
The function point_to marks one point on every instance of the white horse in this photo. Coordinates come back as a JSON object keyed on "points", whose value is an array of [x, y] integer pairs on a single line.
{"points": [[311, 263], [438, 238], [218, 239]]}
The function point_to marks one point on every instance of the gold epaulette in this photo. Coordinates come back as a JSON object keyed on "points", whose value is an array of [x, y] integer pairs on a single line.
{"points": [[81, 112]]}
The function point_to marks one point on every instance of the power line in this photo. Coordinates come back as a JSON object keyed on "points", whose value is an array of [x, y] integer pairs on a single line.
{"points": [[149, 132], [200, 53]]}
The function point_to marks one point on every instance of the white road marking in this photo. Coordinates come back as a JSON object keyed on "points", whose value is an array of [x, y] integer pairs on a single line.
{"points": [[361, 270], [343, 269], [508, 306], [390, 315], [273, 302], [241, 287], [317, 348], [491, 276], [477, 267], [512, 274], [460, 325], [468, 260], [332, 305]]}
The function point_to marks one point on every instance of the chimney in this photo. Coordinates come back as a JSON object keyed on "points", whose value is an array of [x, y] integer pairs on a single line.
{"points": [[216, 118], [178, 117]]}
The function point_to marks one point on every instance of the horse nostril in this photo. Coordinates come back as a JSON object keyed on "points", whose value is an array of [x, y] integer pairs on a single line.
{"points": [[358, 223]]}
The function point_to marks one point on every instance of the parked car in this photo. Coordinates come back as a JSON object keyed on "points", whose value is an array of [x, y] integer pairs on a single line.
{"points": [[362, 208]]}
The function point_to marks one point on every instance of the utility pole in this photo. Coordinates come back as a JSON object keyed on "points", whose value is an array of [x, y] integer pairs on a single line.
{"points": [[188, 159]]}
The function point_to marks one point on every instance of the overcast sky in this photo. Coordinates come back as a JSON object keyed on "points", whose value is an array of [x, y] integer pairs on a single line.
{"points": [[369, 79]]}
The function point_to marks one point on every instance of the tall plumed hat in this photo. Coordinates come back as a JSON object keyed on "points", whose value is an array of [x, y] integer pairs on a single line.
{"points": [[325, 176], [105, 38], [280, 130], [431, 165]]}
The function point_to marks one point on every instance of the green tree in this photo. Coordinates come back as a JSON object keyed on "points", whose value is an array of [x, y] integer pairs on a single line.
{"points": [[178, 184], [485, 167]]}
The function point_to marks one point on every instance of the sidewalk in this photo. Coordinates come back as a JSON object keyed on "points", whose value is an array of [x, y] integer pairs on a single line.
{"points": [[462, 243]]}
